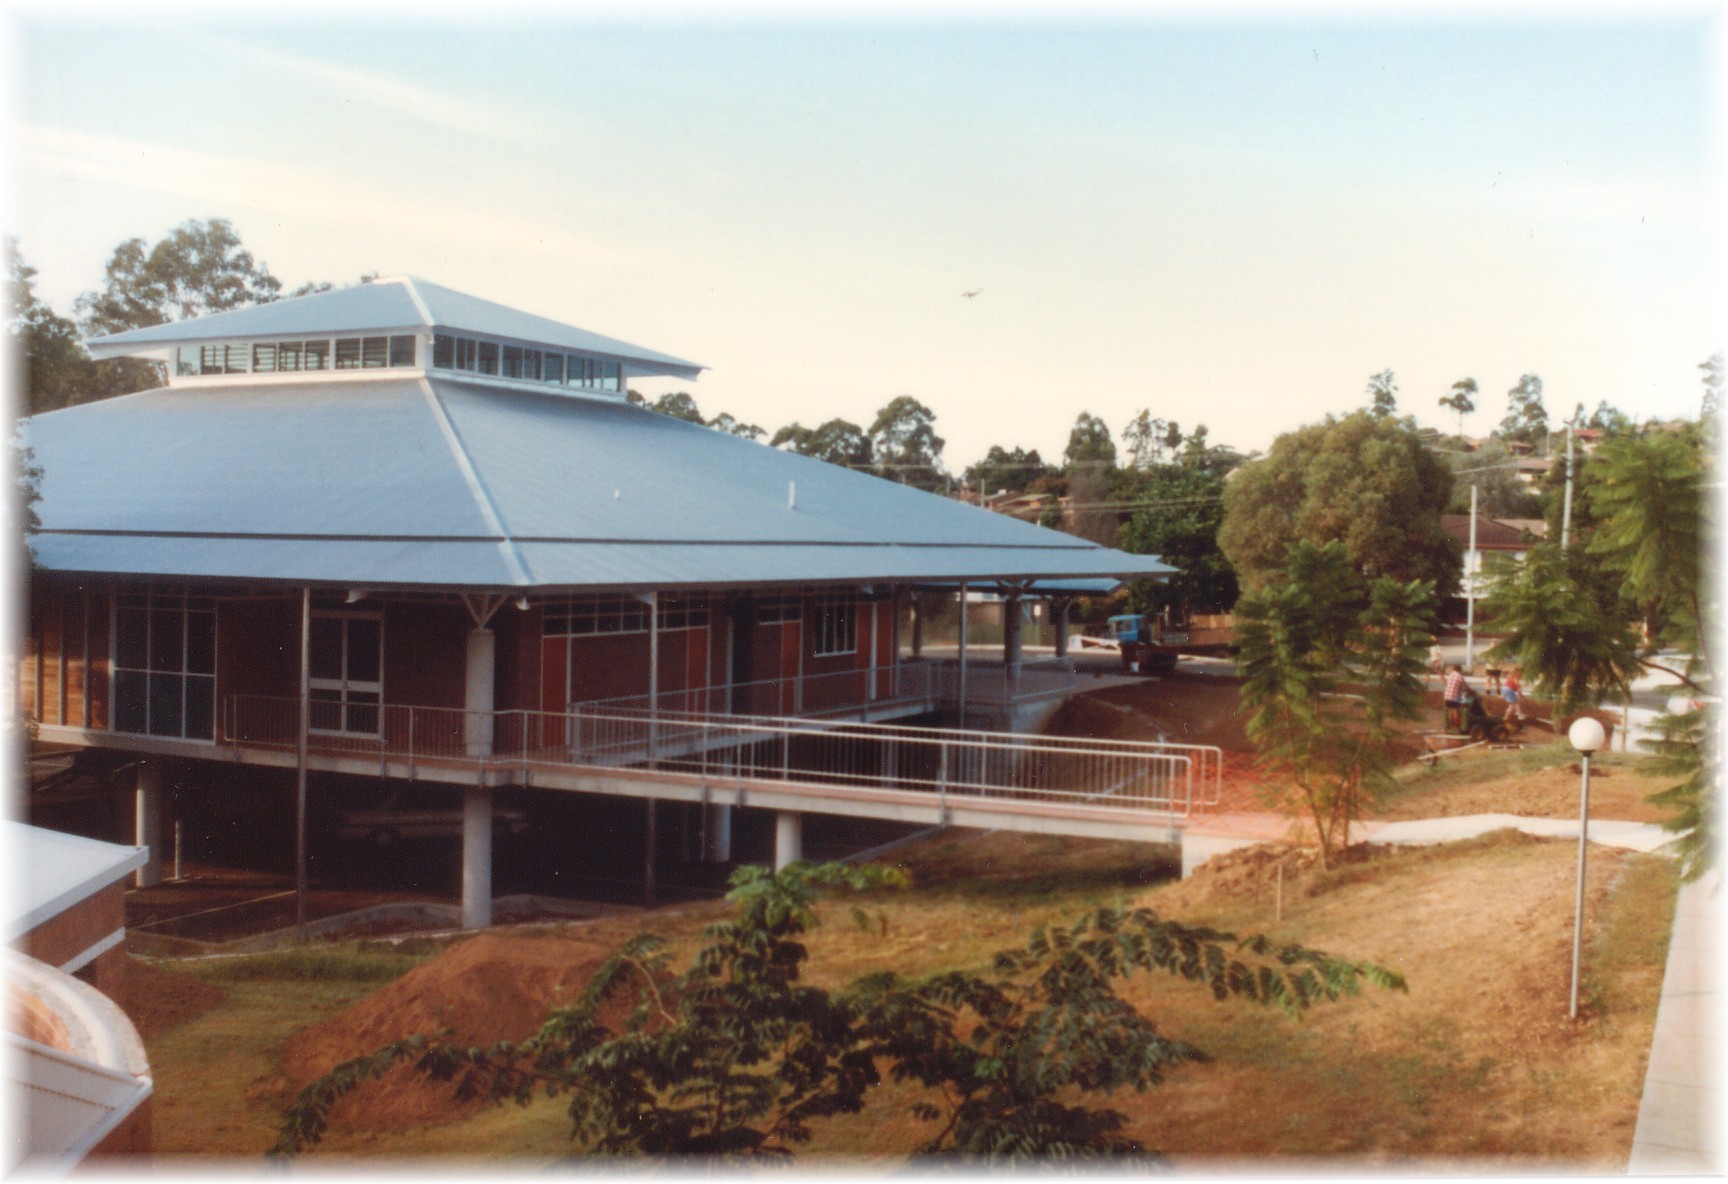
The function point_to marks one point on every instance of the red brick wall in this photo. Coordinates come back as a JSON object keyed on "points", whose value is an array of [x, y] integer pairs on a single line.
{"points": [[63, 937]]}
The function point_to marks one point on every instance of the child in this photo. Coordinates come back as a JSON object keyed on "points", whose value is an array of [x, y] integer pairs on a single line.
{"points": [[1510, 691]]}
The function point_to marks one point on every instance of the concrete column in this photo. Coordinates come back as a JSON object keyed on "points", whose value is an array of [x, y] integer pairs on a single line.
{"points": [[788, 838], [1011, 642], [718, 828], [476, 856], [148, 821], [1059, 618], [477, 694]]}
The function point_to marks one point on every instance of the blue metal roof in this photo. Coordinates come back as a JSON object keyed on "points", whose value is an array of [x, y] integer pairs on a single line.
{"points": [[437, 481], [399, 304]]}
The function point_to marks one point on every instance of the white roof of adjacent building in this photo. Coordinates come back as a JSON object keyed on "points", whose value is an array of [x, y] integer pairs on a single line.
{"points": [[436, 480], [396, 304], [52, 871]]}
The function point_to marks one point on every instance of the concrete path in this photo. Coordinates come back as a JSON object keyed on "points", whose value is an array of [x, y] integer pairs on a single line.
{"points": [[1680, 1116], [1633, 836]]}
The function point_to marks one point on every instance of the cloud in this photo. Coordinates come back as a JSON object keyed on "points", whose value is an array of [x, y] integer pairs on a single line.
{"points": [[298, 196], [416, 102]]}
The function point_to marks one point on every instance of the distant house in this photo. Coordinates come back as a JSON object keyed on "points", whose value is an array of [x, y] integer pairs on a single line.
{"points": [[1511, 537], [439, 522]]}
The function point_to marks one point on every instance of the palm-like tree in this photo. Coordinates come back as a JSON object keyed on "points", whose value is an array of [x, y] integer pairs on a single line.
{"points": [[1462, 400]]}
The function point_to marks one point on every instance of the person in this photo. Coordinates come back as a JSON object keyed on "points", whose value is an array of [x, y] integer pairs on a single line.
{"points": [[1493, 673], [1454, 694], [1510, 691], [1437, 660]]}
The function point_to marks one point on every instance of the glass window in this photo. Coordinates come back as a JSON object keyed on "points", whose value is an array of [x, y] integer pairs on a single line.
{"points": [[264, 357], [348, 353], [402, 351], [374, 352], [488, 357], [317, 355], [467, 353], [836, 627], [164, 678], [186, 360], [531, 364], [288, 355], [612, 374], [554, 368], [512, 367], [444, 351]]}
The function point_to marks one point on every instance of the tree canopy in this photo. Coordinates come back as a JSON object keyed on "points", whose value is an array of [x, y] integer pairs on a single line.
{"points": [[1493, 470], [1365, 481], [1526, 418], [57, 371], [1009, 470], [904, 443], [1383, 394], [838, 441], [1089, 443], [1179, 522], [1462, 400]]}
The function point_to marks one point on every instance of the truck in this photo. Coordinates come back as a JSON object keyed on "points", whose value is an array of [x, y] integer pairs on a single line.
{"points": [[1146, 647]]}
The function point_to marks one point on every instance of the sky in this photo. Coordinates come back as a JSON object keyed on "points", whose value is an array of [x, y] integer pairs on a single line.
{"points": [[1227, 216]]}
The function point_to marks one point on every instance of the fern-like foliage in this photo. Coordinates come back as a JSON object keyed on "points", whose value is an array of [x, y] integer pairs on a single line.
{"points": [[1304, 639], [734, 1060]]}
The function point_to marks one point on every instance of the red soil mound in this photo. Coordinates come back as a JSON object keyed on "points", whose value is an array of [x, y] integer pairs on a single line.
{"points": [[158, 999], [486, 989]]}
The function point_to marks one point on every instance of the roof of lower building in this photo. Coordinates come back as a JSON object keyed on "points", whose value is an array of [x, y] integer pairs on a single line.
{"points": [[54, 871], [399, 303], [436, 481]]}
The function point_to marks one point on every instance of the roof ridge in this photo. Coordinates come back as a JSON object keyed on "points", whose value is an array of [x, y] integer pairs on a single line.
{"points": [[476, 485]]}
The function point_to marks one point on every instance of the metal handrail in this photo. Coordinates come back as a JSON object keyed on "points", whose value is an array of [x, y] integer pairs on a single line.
{"points": [[947, 762], [992, 765]]}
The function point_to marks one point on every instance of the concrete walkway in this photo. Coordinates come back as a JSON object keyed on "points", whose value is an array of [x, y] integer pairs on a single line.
{"points": [[1681, 1112]]}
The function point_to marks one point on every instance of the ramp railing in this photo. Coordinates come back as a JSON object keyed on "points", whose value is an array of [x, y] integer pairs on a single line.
{"points": [[836, 754]]}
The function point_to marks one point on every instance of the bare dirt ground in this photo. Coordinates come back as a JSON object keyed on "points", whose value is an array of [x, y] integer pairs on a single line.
{"points": [[482, 990]]}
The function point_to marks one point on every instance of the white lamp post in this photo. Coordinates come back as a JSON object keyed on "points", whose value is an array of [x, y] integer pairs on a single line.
{"points": [[1586, 736]]}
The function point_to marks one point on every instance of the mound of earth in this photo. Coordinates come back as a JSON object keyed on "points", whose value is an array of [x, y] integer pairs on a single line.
{"points": [[489, 988], [158, 1000]]}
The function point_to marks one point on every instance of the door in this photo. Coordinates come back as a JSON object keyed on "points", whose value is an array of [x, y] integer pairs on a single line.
{"points": [[347, 669], [742, 645]]}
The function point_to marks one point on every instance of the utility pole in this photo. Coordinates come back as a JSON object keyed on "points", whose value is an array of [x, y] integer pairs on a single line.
{"points": [[1566, 518], [1472, 565]]}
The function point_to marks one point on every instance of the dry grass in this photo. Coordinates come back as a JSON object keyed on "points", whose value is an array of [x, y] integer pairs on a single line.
{"points": [[1477, 1064]]}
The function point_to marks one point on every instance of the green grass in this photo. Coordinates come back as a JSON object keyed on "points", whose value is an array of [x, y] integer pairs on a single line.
{"points": [[219, 1084], [1488, 766], [307, 964], [1631, 936]]}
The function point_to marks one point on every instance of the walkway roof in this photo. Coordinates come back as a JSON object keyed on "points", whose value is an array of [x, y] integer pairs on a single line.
{"points": [[398, 304], [439, 482]]}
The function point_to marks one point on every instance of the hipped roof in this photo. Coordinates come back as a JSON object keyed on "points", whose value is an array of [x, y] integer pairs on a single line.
{"points": [[397, 304], [438, 482]]}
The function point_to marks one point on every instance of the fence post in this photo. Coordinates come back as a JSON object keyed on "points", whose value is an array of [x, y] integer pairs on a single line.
{"points": [[942, 778]]}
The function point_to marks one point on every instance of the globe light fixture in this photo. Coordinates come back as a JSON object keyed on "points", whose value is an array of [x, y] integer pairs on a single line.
{"points": [[1586, 735]]}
